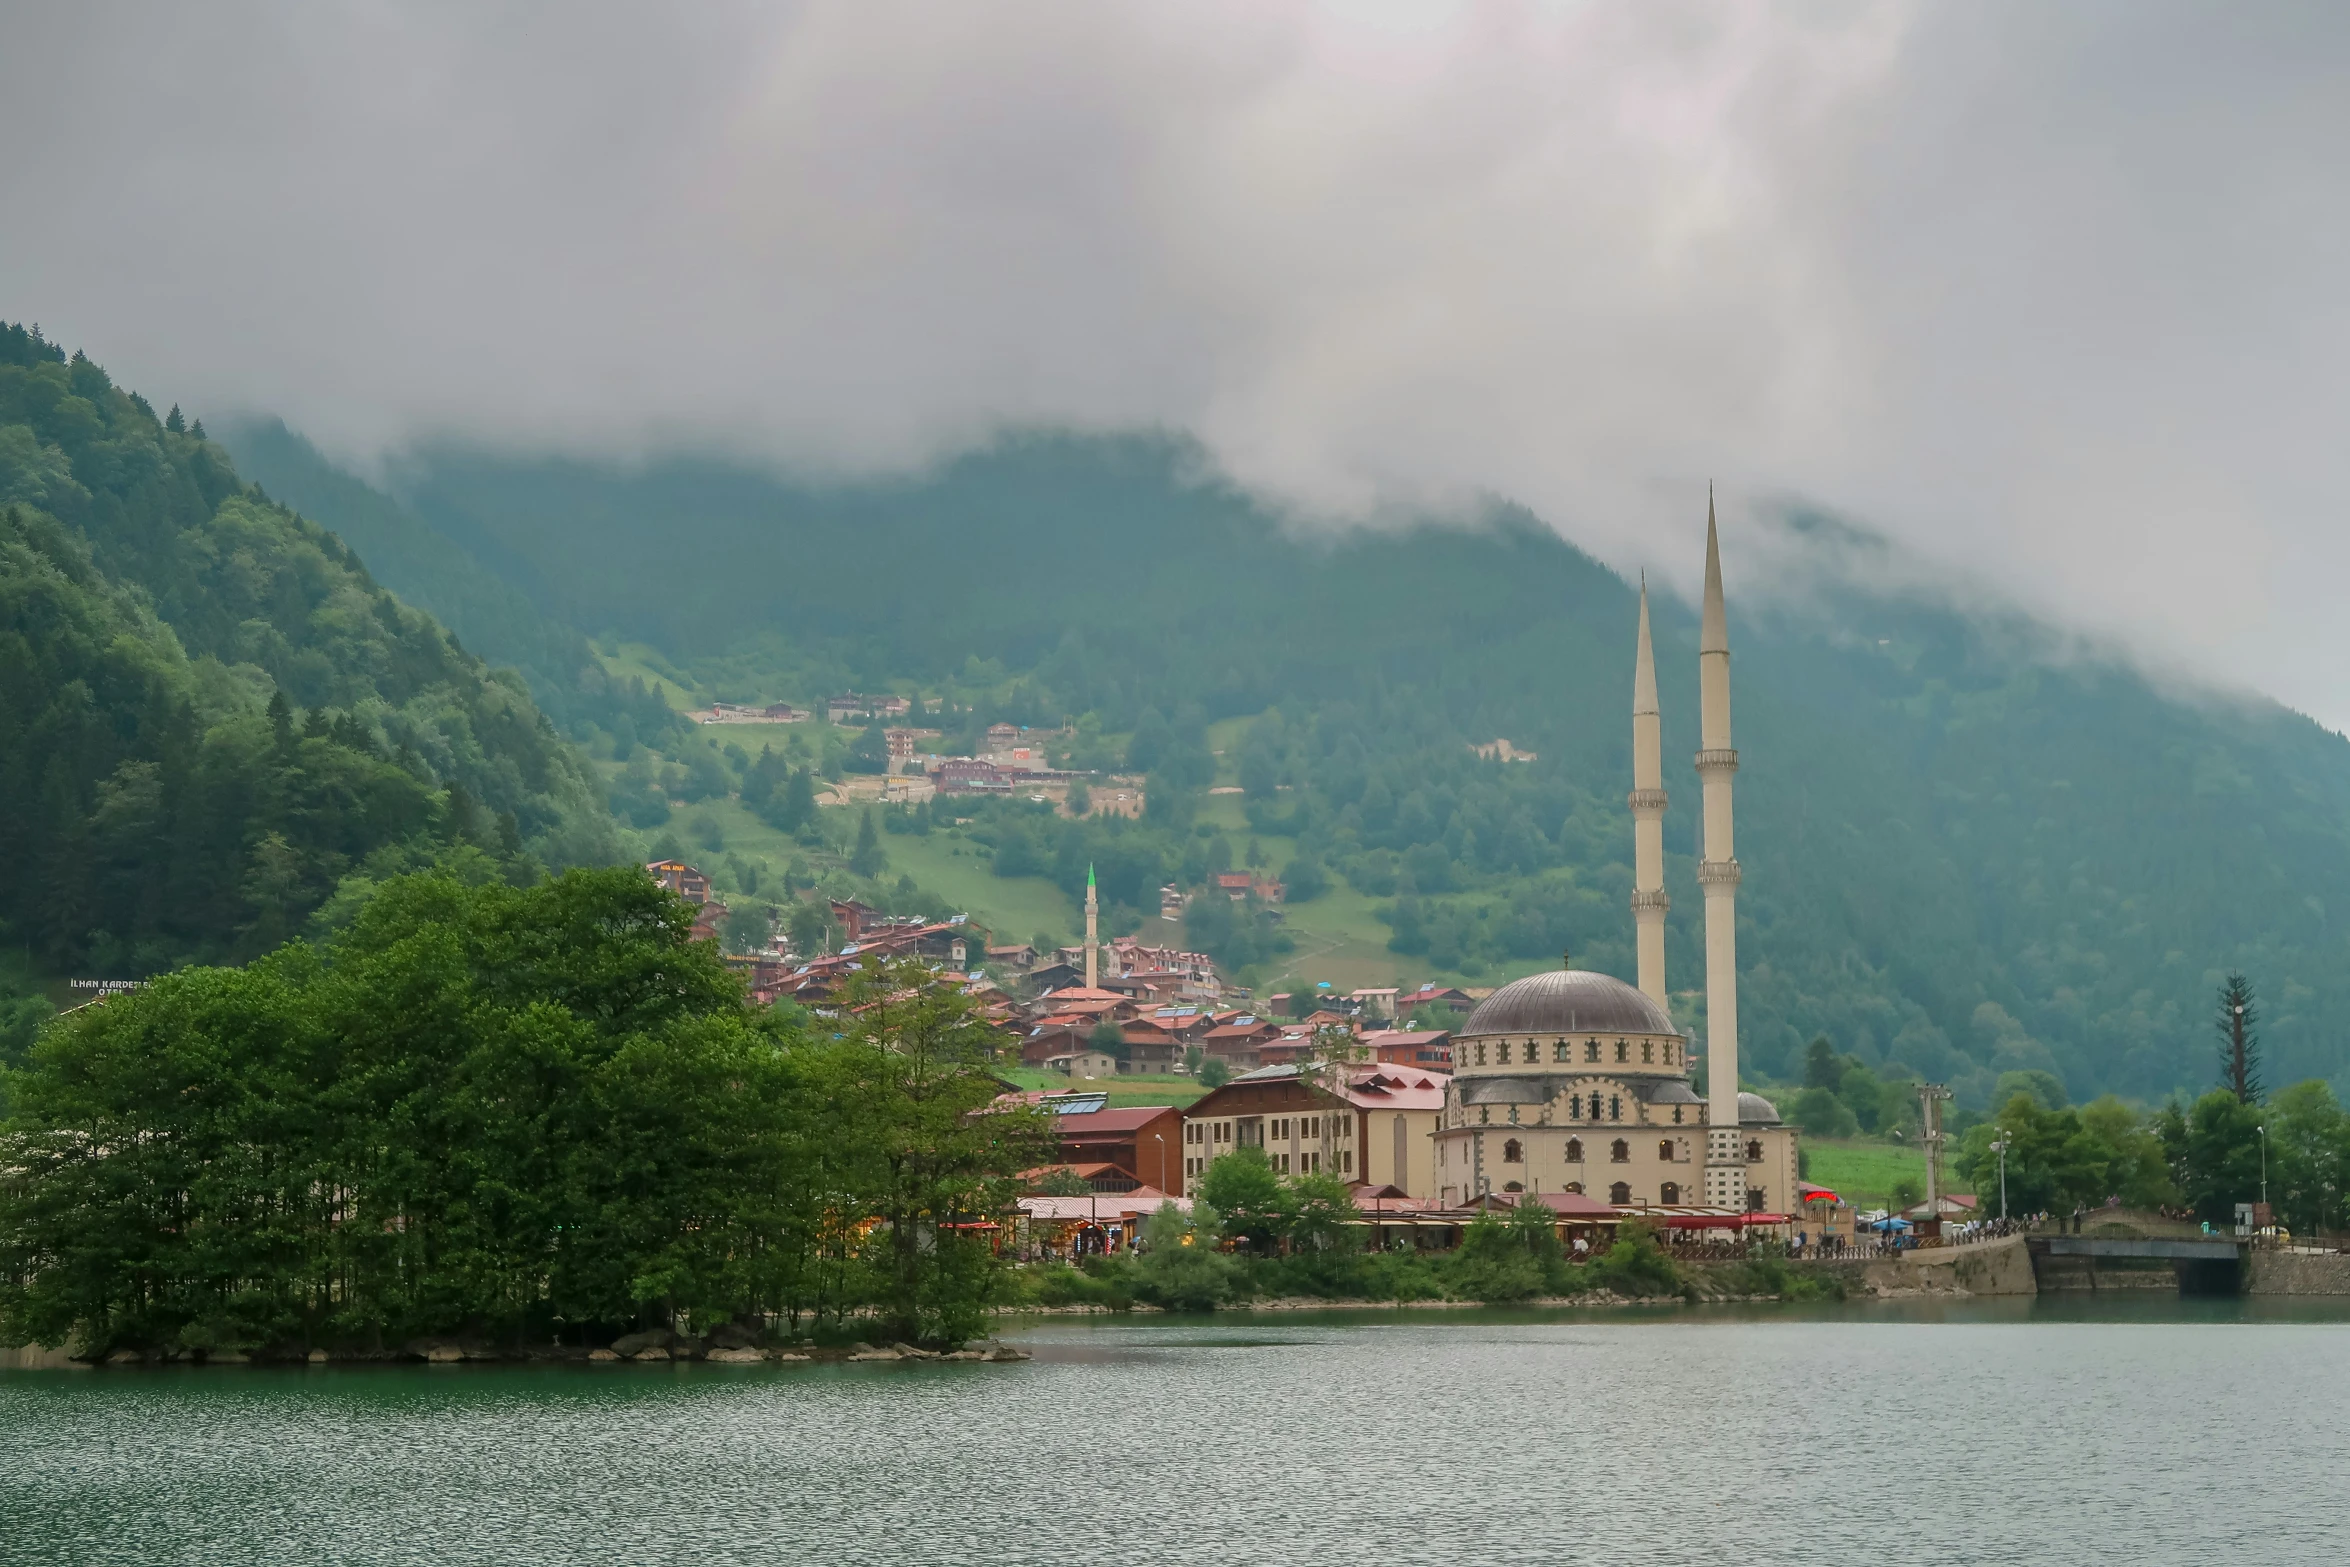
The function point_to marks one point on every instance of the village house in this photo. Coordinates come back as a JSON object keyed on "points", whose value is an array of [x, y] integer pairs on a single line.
{"points": [[1431, 1048], [1085, 1062], [1143, 1141], [1152, 1044], [969, 775], [1239, 1042], [680, 878], [1360, 1123], [735, 713], [853, 704]]}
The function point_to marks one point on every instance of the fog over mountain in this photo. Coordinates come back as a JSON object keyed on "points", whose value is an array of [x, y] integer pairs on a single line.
{"points": [[2050, 295]]}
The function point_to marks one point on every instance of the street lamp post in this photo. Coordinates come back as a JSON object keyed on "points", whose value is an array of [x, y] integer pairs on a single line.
{"points": [[2000, 1148], [2263, 1131]]}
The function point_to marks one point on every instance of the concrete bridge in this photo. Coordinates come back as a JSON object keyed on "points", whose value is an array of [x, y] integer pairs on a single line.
{"points": [[2194, 1264]]}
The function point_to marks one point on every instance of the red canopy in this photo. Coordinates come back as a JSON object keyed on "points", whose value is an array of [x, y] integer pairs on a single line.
{"points": [[1721, 1221]]}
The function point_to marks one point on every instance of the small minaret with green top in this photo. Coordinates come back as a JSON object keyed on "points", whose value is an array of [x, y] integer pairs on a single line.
{"points": [[1092, 932]]}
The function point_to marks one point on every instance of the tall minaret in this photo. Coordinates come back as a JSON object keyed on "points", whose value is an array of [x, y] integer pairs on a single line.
{"points": [[1093, 949], [1717, 873], [1649, 899]]}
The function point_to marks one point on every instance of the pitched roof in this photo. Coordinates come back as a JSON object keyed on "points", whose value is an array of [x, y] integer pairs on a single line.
{"points": [[1108, 1122]]}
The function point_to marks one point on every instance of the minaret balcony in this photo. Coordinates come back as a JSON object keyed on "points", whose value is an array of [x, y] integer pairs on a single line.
{"points": [[1717, 873], [1651, 900], [1723, 760], [1646, 802]]}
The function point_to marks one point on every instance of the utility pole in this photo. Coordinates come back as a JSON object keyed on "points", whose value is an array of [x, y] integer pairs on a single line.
{"points": [[2262, 1129], [2000, 1148], [1930, 1097]]}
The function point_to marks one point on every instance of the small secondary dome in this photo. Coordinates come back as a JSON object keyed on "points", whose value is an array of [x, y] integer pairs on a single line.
{"points": [[1568, 1001], [1755, 1110]]}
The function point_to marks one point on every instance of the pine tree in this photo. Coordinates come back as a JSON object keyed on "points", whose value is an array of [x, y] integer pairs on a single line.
{"points": [[2239, 1049], [175, 422], [867, 858]]}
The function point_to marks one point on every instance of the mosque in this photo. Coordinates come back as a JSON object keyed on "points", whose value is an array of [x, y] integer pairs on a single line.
{"points": [[1575, 1081]]}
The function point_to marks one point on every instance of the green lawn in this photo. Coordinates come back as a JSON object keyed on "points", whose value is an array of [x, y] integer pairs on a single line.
{"points": [[635, 658], [1142, 1089], [1863, 1171]]}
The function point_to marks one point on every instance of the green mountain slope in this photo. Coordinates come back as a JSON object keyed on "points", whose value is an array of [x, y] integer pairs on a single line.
{"points": [[442, 577], [210, 715], [1962, 855]]}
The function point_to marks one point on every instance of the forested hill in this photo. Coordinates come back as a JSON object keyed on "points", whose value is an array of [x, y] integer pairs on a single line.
{"points": [[1960, 857], [211, 718]]}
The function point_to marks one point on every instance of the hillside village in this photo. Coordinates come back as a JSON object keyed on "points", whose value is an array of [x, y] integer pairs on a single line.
{"points": [[1323, 1084]]}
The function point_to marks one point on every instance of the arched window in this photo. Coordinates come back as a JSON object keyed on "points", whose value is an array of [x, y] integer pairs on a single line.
{"points": [[1664, 1150], [1620, 1193], [1647, 1051], [1576, 1187], [1672, 1052], [1669, 1193], [1484, 1114], [1623, 1051], [1574, 1150], [1619, 1152], [1513, 1115], [1513, 1152], [1561, 1051], [1754, 1150], [1480, 1052], [1615, 1107], [1513, 1186], [1533, 1052], [1591, 1050], [1676, 1115]]}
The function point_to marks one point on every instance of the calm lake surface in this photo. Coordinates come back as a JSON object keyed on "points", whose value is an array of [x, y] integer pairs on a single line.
{"points": [[2151, 1433]]}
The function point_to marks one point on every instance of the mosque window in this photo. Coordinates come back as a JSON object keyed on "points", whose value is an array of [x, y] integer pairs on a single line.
{"points": [[1590, 1049], [1513, 1186], [1575, 1106], [1513, 1152], [1562, 1051], [1664, 1150], [1574, 1150], [1647, 1052], [1619, 1193], [1533, 1052], [1480, 1052], [1576, 1187], [1513, 1115], [1754, 1150], [1669, 1193], [1677, 1115], [1623, 1051], [1754, 1199], [1484, 1114], [1615, 1107], [1619, 1152], [1672, 1052]]}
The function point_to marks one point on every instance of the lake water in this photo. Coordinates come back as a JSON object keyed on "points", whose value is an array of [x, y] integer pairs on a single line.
{"points": [[2150, 1433]]}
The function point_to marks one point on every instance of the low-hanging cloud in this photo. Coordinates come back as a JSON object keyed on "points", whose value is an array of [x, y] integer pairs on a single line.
{"points": [[2053, 294]]}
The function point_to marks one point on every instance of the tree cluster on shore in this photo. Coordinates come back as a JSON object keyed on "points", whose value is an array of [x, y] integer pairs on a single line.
{"points": [[1253, 1235], [524, 1115]]}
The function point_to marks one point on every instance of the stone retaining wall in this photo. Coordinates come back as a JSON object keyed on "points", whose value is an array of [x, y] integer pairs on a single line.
{"points": [[2297, 1273], [2000, 1267]]}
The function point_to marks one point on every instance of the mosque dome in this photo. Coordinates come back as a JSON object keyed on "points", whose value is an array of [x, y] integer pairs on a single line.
{"points": [[1755, 1110], [1569, 1001]]}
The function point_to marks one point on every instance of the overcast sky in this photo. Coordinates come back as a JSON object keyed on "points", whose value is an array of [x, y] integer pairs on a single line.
{"points": [[2053, 292]]}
